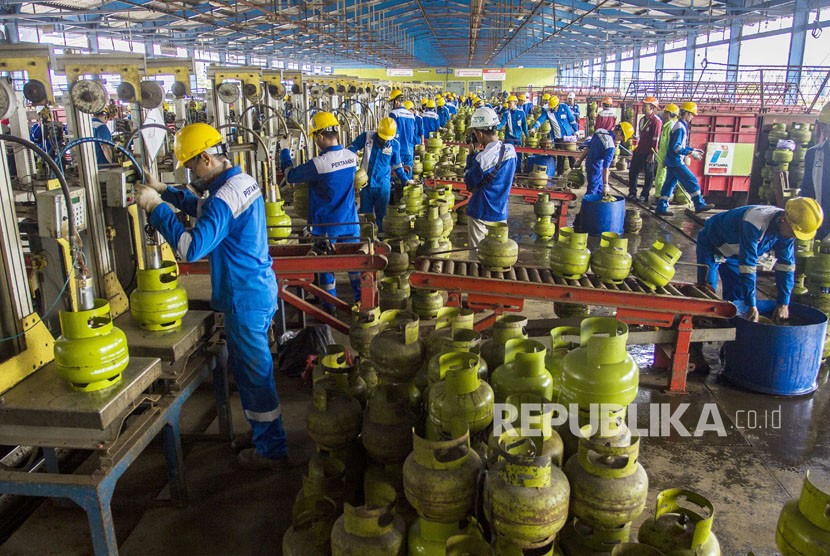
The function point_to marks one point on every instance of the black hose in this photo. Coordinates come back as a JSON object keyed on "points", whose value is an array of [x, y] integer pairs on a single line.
{"points": [[81, 140], [74, 238]]}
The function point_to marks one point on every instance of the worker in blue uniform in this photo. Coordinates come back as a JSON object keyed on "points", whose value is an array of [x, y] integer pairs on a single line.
{"points": [[816, 181], [419, 122], [441, 109], [430, 117], [574, 110], [525, 104], [103, 153], [731, 242], [599, 154], [450, 104], [381, 156], [332, 212], [514, 122], [676, 169], [230, 231], [405, 121], [488, 175]]}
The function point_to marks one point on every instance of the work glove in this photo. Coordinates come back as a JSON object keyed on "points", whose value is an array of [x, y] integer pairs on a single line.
{"points": [[147, 198], [697, 155], [411, 182], [151, 181]]}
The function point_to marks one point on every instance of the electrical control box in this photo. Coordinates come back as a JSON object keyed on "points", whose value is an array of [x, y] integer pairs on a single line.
{"points": [[52, 216], [119, 184]]}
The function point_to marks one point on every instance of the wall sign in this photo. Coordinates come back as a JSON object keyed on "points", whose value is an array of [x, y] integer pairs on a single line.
{"points": [[468, 73]]}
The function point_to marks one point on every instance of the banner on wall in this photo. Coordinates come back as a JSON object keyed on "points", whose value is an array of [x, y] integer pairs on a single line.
{"points": [[399, 72], [494, 75], [468, 73], [443, 71]]}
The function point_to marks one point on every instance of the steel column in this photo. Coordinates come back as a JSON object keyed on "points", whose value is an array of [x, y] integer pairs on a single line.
{"points": [[689, 64], [798, 43], [617, 72], [635, 58], [734, 54]]}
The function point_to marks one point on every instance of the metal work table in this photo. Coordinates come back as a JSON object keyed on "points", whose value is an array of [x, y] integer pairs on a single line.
{"points": [[170, 345]]}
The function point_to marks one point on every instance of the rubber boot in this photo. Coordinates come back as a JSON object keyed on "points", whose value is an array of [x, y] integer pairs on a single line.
{"points": [[663, 208]]}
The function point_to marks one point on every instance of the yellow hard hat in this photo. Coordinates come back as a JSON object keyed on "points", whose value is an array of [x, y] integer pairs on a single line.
{"points": [[804, 216], [652, 100], [627, 130], [521, 96], [430, 103], [671, 108], [395, 94], [505, 105], [387, 128], [512, 98], [690, 107], [546, 96], [824, 115], [194, 139], [553, 101], [409, 105], [424, 101], [440, 101], [322, 121]]}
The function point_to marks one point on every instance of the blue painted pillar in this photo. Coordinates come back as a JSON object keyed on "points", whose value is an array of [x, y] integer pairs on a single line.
{"points": [[798, 40], [92, 42]]}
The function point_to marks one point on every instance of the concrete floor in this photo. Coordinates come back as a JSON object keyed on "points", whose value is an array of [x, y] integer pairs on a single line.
{"points": [[748, 474]]}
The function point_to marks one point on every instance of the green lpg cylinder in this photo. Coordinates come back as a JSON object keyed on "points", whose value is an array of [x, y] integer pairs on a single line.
{"points": [[804, 526], [580, 538], [413, 197], [365, 326], [535, 416], [538, 177], [397, 261], [544, 206], [525, 496], [370, 530], [633, 222], [326, 477], [523, 371], [468, 545], [506, 327], [560, 345], [611, 262], [277, 222], [91, 353], [427, 303], [440, 477], [310, 531], [497, 252], [448, 320], [544, 227], [335, 365], [445, 215], [299, 200], [804, 250], [570, 256], [429, 224], [397, 351], [655, 266], [461, 395], [394, 293], [397, 223], [334, 418], [681, 530], [608, 485], [461, 340], [387, 424], [158, 303], [429, 538]]}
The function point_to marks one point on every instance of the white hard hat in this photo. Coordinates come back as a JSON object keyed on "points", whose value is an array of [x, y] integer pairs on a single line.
{"points": [[483, 118], [571, 95]]}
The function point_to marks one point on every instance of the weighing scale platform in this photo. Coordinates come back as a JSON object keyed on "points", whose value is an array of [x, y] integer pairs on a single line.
{"points": [[170, 345]]}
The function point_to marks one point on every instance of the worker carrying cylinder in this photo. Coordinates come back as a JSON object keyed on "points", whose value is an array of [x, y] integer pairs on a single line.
{"points": [[644, 158], [430, 117], [514, 122], [332, 214], [731, 242], [405, 121], [381, 156], [670, 114], [600, 153], [230, 231], [816, 181], [488, 175], [606, 118], [676, 169]]}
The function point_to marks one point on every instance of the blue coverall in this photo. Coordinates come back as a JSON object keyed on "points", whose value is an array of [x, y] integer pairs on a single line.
{"points": [[230, 230], [443, 115], [380, 157], [330, 179], [601, 149], [549, 115], [419, 130], [731, 242], [100, 131], [489, 201], [431, 123], [816, 182], [405, 136], [575, 111], [527, 107], [516, 124], [452, 109], [676, 170]]}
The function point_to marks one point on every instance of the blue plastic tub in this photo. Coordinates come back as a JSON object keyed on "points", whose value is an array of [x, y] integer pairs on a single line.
{"points": [[547, 161], [780, 360], [596, 217]]}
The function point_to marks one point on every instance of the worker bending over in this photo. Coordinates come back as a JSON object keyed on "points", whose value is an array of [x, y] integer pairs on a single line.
{"points": [[816, 181], [643, 158], [600, 153], [230, 231], [514, 120], [381, 155], [406, 130], [332, 214], [731, 242], [488, 175]]}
